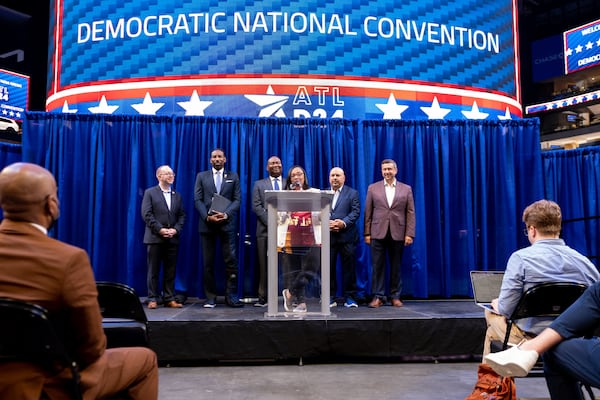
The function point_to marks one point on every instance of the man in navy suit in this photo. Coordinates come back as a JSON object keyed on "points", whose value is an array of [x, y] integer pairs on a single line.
{"points": [[163, 213], [345, 210], [259, 206], [389, 226], [218, 225]]}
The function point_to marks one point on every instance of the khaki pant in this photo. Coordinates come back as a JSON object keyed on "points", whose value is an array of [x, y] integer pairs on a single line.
{"points": [[496, 330]]}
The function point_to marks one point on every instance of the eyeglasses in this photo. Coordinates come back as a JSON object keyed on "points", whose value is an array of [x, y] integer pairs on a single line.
{"points": [[167, 174], [297, 174]]}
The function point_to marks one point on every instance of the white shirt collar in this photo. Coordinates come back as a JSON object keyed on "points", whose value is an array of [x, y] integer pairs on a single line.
{"points": [[41, 228]]}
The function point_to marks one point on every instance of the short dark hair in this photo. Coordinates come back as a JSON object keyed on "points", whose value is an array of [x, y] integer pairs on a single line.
{"points": [[389, 161]]}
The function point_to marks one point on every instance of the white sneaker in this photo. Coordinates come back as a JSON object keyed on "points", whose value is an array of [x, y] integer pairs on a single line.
{"points": [[300, 308], [512, 362]]}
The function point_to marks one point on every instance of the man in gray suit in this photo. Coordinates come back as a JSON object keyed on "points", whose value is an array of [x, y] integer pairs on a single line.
{"points": [[163, 213], [259, 206], [218, 224], [389, 226]]}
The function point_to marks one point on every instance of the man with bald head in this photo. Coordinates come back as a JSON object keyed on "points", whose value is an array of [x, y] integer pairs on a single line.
{"points": [[345, 210], [164, 215], [57, 276]]}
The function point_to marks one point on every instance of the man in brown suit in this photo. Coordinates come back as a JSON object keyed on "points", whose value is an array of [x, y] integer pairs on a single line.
{"points": [[59, 277], [389, 226]]}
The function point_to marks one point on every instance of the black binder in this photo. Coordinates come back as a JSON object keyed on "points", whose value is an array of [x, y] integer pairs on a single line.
{"points": [[218, 204]]}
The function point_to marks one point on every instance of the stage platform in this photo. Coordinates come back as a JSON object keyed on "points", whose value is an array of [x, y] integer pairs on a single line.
{"points": [[422, 330]]}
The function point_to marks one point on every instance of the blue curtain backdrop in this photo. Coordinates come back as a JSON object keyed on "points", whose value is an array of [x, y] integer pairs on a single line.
{"points": [[572, 179], [471, 181]]}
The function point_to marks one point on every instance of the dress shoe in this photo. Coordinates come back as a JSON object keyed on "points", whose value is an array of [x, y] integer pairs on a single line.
{"points": [[173, 304], [232, 301], [512, 362], [397, 303], [152, 305], [375, 303]]}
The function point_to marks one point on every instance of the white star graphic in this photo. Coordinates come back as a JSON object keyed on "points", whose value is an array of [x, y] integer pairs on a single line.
{"points": [[569, 52], [435, 111], [505, 116], [194, 106], [103, 107], [391, 109], [598, 42], [589, 45], [66, 109], [147, 107], [270, 102], [578, 49], [475, 113]]}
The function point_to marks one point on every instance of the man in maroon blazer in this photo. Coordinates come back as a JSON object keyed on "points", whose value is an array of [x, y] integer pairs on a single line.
{"points": [[41, 270], [389, 226]]}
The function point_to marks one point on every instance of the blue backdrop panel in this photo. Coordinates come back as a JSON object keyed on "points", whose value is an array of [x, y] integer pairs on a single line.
{"points": [[572, 179], [471, 181]]}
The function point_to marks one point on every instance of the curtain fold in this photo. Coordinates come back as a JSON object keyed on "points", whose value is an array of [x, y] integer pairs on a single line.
{"points": [[572, 179], [471, 181]]}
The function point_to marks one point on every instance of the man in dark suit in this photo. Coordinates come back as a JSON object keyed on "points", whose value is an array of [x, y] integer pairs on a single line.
{"points": [[218, 224], [163, 213], [259, 206], [57, 276], [389, 226], [345, 210]]}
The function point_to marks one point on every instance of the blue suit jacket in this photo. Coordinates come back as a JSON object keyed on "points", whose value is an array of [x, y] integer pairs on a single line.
{"points": [[347, 208], [157, 215], [204, 189]]}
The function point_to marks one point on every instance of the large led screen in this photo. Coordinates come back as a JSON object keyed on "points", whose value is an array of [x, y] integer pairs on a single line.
{"points": [[375, 59], [582, 47], [14, 94]]}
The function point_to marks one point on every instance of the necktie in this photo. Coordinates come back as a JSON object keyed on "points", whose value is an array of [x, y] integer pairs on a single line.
{"points": [[218, 181], [275, 184]]}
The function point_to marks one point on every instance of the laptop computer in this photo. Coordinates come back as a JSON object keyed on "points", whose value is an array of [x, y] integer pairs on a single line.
{"points": [[486, 287]]}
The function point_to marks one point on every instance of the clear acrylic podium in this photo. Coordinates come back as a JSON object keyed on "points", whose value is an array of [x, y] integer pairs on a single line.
{"points": [[288, 201]]}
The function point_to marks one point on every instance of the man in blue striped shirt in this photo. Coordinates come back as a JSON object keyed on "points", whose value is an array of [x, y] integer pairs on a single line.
{"points": [[548, 259]]}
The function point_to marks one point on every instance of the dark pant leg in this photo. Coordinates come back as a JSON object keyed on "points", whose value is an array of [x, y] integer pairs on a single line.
{"points": [[395, 251], [570, 362], [153, 260], [290, 267], [348, 252], [208, 259], [378, 262], [169, 254], [229, 250], [261, 252], [333, 256]]}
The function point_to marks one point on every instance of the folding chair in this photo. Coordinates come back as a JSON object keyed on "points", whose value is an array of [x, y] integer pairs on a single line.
{"points": [[124, 320], [548, 299], [28, 335]]}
